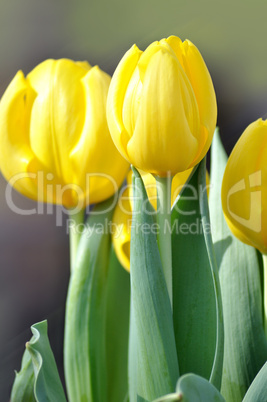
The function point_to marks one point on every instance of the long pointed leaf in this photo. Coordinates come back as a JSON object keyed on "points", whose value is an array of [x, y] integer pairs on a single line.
{"points": [[85, 336], [257, 392], [191, 388], [118, 312], [157, 367], [216, 373], [47, 385], [133, 360], [194, 303], [23, 387]]}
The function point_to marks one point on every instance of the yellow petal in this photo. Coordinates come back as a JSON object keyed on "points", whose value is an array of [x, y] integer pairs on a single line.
{"points": [[152, 49], [150, 185], [147, 55], [198, 74], [121, 236], [15, 151], [244, 188], [83, 64], [132, 102], [163, 140], [117, 90], [18, 163], [58, 113], [176, 44], [178, 182], [122, 218], [151, 189], [95, 159], [237, 233]]}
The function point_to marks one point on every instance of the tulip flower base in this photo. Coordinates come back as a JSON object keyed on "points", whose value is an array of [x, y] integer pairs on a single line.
{"points": [[167, 290]]}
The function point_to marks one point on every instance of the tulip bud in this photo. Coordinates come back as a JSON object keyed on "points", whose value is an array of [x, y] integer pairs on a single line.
{"points": [[244, 187], [55, 142], [161, 107]]}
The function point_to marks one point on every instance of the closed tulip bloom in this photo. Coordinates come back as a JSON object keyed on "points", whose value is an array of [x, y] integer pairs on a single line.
{"points": [[161, 107], [244, 187], [55, 142]]}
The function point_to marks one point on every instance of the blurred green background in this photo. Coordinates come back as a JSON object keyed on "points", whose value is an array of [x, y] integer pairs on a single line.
{"points": [[231, 36]]}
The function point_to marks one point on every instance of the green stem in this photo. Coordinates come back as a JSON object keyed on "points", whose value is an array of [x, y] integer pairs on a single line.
{"points": [[264, 256], [164, 232], [75, 219]]}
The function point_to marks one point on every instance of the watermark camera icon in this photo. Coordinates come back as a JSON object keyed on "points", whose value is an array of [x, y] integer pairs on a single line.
{"points": [[254, 221]]}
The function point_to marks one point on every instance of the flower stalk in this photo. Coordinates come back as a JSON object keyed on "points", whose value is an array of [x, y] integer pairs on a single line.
{"points": [[164, 232], [75, 219]]}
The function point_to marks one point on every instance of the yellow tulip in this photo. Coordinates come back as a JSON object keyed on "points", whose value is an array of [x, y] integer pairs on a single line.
{"points": [[244, 187], [161, 107], [55, 142]]}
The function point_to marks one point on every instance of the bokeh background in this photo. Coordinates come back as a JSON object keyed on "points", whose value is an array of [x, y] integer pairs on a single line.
{"points": [[232, 37]]}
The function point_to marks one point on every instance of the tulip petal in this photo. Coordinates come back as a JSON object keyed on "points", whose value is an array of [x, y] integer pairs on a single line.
{"points": [[176, 44], [83, 64], [132, 102], [58, 113], [122, 217], [244, 190], [104, 176], [237, 233], [149, 53], [18, 163], [178, 183], [122, 235], [15, 151], [116, 95], [134, 90], [198, 74], [163, 139], [95, 85]]}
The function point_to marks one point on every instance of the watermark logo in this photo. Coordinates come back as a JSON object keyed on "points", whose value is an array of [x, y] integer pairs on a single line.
{"points": [[56, 194], [254, 221], [196, 227], [45, 187]]}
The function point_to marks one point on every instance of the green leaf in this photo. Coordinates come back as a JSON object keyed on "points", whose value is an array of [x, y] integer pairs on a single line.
{"points": [[193, 388], [23, 387], [257, 392], [132, 360], [155, 367], [196, 311], [245, 342], [216, 373], [85, 331], [47, 386], [118, 312]]}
